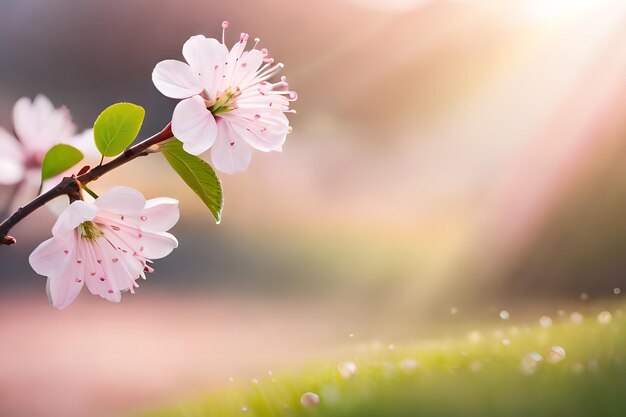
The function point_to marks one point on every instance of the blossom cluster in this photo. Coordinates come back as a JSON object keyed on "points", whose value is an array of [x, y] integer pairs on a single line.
{"points": [[230, 104]]}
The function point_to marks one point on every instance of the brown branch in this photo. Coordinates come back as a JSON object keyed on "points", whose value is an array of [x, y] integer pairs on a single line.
{"points": [[70, 186]]}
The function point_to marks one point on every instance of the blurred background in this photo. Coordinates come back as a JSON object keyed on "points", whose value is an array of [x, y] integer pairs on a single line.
{"points": [[449, 159]]}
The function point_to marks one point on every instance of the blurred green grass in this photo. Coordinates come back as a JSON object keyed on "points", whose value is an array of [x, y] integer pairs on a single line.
{"points": [[482, 374]]}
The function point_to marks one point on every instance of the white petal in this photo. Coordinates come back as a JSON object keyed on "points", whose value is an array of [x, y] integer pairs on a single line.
{"points": [[24, 122], [39, 125], [42, 106], [124, 272], [64, 284], [121, 200], [176, 79], [247, 68], [116, 271], [230, 154], [234, 56], [252, 99], [9, 145], [27, 118], [132, 239], [11, 159], [161, 214], [194, 125], [207, 57], [263, 130], [11, 171], [96, 276], [75, 214], [57, 261], [157, 245], [49, 256]]}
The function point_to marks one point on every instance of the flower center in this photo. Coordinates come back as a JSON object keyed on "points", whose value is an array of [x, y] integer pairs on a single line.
{"points": [[224, 102], [89, 231]]}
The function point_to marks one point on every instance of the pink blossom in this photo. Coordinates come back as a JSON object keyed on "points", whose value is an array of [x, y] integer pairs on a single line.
{"points": [[38, 126], [228, 103], [107, 245]]}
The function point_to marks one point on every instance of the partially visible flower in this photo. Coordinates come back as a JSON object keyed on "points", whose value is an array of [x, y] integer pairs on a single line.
{"points": [[107, 245], [38, 127], [228, 103]]}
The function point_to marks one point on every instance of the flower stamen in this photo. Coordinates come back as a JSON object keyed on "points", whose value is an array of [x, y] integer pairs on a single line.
{"points": [[88, 230], [225, 25]]}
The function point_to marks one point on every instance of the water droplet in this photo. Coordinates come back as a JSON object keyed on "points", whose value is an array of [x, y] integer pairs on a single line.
{"points": [[556, 354], [144, 218], [476, 366], [545, 322], [347, 369], [474, 337], [310, 399], [530, 363], [504, 315], [578, 368], [408, 364], [576, 317], [604, 317]]}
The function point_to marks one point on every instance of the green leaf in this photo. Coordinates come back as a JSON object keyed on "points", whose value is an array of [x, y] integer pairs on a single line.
{"points": [[198, 175], [117, 127], [59, 159]]}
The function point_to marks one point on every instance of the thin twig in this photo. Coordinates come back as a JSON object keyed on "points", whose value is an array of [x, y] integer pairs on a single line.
{"points": [[70, 186]]}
